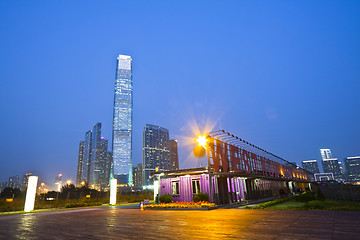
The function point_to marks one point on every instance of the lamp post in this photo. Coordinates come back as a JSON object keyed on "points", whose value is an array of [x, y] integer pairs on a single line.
{"points": [[202, 141]]}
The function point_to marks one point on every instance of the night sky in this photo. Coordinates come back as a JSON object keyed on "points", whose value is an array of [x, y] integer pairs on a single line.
{"points": [[284, 75]]}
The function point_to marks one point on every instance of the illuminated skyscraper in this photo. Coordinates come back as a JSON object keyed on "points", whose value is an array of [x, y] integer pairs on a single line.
{"points": [[156, 153], [80, 163], [174, 157], [325, 153], [331, 165], [311, 166], [122, 121], [352, 168], [87, 158], [97, 177]]}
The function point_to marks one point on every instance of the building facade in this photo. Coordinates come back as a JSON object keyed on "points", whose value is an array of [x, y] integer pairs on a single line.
{"points": [[332, 166], [174, 157], [156, 152], [79, 172], [352, 169], [311, 166], [137, 175], [87, 158], [325, 154], [122, 121], [99, 145]]}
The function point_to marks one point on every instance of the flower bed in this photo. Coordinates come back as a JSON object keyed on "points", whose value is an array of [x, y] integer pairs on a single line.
{"points": [[181, 205]]}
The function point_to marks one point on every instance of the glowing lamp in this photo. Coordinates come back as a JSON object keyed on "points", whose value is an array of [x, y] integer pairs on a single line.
{"points": [[30, 193], [113, 190], [202, 140]]}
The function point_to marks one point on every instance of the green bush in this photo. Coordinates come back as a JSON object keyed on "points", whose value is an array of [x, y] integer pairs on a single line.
{"points": [[274, 202], [166, 198], [82, 204], [306, 197], [201, 197]]}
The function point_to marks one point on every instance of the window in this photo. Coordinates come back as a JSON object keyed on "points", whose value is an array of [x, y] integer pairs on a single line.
{"points": [[195, 186], [175, 188]]}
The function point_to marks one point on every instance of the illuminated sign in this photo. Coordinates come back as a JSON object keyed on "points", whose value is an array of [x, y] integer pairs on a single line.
{"points": [[113, 190], [30, 194]]}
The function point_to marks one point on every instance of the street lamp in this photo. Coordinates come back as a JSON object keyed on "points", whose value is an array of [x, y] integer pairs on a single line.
{"points": [[202, 142]]}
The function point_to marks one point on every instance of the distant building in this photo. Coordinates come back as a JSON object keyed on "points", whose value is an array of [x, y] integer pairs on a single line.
{"points": [[325, 154], [24, 181], [156, 153], [174, 157], [122, 121], [97, 177], [13, 182], [311, 166], [109, 167], [58, 182], [87, 158], [3, 185], [80, 164], [137, 175], [352, 169], [320, 177], [332, 166]]}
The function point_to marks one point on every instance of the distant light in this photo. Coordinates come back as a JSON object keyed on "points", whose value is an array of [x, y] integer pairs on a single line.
{"points": [[101, 138], [30, 194], [113, 190]]}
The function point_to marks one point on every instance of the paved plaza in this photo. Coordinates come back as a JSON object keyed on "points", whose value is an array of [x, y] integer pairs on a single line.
{"points": [[117, 223]]}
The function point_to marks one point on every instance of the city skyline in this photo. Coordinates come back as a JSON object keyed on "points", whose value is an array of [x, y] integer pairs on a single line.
{"points": [[260, 72]]}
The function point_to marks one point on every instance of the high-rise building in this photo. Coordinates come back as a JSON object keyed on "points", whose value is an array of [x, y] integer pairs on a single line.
{"points": [[24, 181], [58, 182], [174, 157], [87, 158], [79, 172], [109, 167], [311, 166], [156, 152], [122, 121], [13, 182], [352, 169], [332, 166], [97, 176], [325, 154], [137, 175]]}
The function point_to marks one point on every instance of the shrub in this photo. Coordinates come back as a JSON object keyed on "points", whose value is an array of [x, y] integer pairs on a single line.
{"points": [[306, 197], [201, 197], [166, 198]]}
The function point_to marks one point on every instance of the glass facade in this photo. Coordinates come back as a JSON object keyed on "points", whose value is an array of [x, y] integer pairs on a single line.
{"points": [[352, 168], [87, 158], [122, 121], [156, 152], [332, 166], [174, 158], [311, 166], [80, 163]]}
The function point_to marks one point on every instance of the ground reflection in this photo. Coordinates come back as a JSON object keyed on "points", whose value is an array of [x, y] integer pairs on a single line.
{"points": [[25, 226]]}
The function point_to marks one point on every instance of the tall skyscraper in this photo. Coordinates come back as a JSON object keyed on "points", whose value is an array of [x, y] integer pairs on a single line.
{"points": [[87, 158], [174, 157], [156, 153], [325, 154], [80, 164], [98, 159], [332, 166], [122, 121], [352, 169], [137, 175], [109, 168], [311, 166], [24, 181], [58, 182]]}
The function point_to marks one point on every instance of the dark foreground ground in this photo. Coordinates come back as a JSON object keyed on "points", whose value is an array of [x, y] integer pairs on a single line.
{"points": [[100, 223]]}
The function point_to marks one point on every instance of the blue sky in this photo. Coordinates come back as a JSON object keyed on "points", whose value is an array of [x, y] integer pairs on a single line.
{"points": [[281, 74]]}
